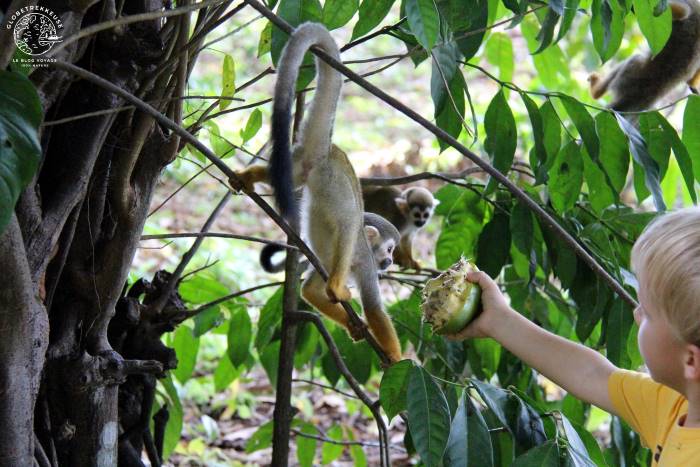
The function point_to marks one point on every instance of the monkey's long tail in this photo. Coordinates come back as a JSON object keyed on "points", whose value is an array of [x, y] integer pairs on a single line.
{"points": [[315, 132]]}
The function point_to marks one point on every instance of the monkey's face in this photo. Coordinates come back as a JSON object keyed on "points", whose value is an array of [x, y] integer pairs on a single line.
{"points": [[420, 215], [383, 251]]}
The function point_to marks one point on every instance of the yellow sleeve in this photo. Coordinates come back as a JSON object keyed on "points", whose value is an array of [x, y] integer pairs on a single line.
{"points": [[641, 402]]}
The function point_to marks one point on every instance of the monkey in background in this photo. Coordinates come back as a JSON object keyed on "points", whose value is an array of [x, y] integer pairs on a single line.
{"points": [[382, 236], [332, 208], [408, 210], [641, 80]]}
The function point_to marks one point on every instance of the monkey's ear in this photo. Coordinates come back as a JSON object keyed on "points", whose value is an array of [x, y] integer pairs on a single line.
{"points": [[679, 11], [402, 204], [372, 233], [435, 202]]}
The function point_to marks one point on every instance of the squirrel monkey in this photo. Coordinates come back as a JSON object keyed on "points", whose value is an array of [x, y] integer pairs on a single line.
{"points": [[382, 236], [408, 210], [332, 200], [641, 80]]}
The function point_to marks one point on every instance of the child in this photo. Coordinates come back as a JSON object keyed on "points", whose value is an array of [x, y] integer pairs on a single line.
{"points": [[664, 408]]}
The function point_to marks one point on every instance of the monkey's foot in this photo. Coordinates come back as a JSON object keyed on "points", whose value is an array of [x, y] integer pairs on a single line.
{"points": [[337, 291], [356, 331]]}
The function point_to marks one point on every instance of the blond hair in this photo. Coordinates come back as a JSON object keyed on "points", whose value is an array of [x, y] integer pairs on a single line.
{"points": [[666, 260]]}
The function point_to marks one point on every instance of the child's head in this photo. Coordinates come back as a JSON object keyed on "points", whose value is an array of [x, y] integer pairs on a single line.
{"points": [[666, 261]]}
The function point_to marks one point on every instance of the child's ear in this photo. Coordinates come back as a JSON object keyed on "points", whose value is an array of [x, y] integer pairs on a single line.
{"points": [[691, 365]]}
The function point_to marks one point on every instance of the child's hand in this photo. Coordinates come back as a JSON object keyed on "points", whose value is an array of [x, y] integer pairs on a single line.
{"points": [[494, 307]]}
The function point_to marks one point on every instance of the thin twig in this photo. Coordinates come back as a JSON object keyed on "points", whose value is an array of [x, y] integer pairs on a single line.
{"points": [[324, 386]]}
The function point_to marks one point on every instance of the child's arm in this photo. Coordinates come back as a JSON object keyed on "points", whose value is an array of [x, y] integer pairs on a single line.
{"points": [[581, 371]]}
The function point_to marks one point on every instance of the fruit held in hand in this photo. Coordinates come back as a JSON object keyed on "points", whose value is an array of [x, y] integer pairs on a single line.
{"points": [[450, 301]]}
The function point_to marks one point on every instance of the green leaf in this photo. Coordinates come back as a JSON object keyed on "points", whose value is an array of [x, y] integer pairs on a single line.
{"points": [[681, 153], [546, 455], [331, 452], [641, 155], [270, 318], [424, 21], [469, 442], [265, 40], [202, 288], [207, 320], [428, 416], [357, 355], [261, 439], [269, 358], [499, 52], [228, 81], [539, 150], [566, 177], [372, 12], [465, 19], [306, 447], [186, 348], [173, 428], [584, 124], [620, 323], [463, 212], [501, 136], [546, 34], [570, 10], [607, 27], [224, 374], [600, 194], [691, 132], [337, 13], [614, 152], [451, 117], [522, 227], [240, 332], [252, 126], [20, 151], [656, 29], [444, 68], [307, 344], [392, 390], [494, 245], [582, 448]]}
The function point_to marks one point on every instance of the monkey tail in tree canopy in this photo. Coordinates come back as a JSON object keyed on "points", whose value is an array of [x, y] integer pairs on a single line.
{"points": [[315, 133]]}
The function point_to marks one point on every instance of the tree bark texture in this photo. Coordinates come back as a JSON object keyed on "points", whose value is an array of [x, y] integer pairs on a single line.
{"points": [[81, 394]]}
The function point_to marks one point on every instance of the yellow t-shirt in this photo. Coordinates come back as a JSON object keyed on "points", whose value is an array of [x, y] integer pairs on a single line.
{"points": [[653, 410]]}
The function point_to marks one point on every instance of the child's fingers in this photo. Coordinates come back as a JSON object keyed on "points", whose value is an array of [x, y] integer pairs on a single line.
{"points": [[481, 278]]}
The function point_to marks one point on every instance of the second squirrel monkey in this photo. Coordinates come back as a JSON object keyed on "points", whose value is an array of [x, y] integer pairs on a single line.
{"points": [[409, 210], [641, 80], [332, 201], [382, 236]]}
